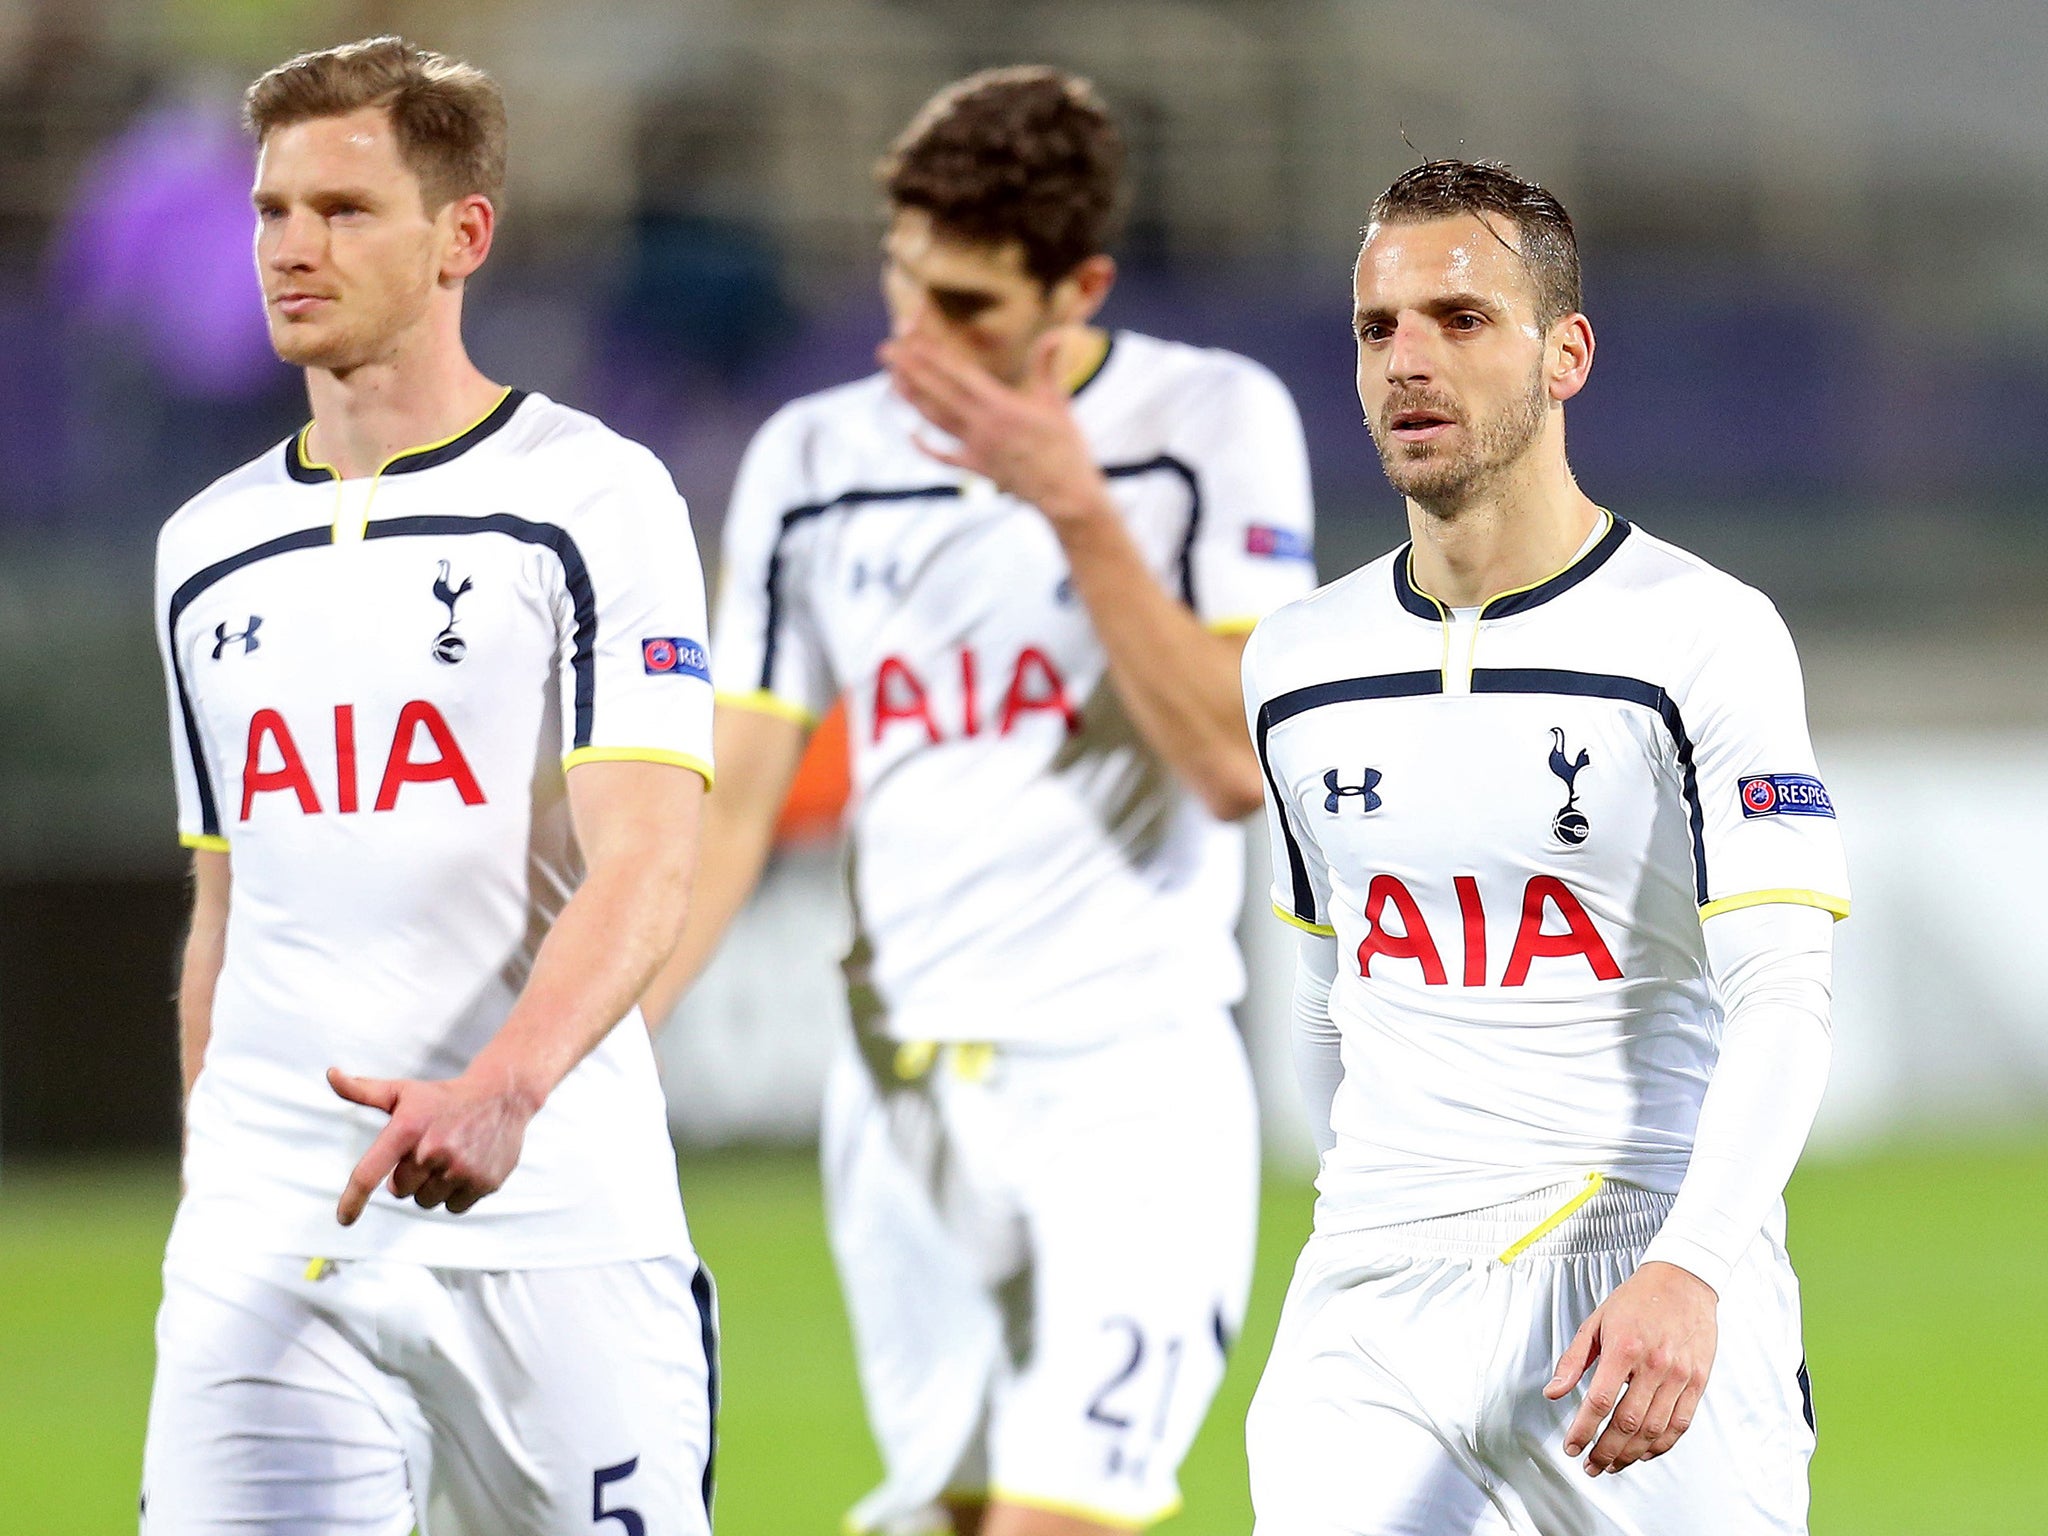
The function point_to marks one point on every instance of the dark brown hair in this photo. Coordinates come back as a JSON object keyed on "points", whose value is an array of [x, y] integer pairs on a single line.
{"points": [[449, 116], [1441, 189], [1026, 154]]}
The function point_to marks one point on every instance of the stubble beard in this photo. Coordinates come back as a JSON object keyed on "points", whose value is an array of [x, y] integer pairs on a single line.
{"points": [[1444, 480], [356, 341], [337, 350]]}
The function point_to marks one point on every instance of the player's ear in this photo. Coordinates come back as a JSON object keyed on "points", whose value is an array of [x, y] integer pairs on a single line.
{"points": [[1077, 297], [1571, 356], [468, 226]]}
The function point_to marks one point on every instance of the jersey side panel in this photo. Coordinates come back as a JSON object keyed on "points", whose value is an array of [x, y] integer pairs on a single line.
{"points": [[1769, 831], [766, 651], [1300, 892], [1253, 547], [646, 654]]}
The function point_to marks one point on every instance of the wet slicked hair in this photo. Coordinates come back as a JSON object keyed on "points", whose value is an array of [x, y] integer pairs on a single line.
{"points": [[449, 117], [1026, 153], [1544, 239]]}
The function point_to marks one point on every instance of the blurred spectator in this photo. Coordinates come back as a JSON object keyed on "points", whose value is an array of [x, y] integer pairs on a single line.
{"points": [[154, 248]]}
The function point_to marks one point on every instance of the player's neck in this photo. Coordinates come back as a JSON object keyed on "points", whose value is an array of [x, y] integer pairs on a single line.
{"points": [[1083, 351], [425, 391], [1515, 534]]}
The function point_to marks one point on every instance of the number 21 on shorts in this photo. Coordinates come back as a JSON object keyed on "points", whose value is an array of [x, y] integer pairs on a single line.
{"points": [[1118, 1404]]}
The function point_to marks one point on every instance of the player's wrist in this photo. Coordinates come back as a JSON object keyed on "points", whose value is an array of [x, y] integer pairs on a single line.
{"points": [[1080, 504], [1687, 1264], [521, 1086]]}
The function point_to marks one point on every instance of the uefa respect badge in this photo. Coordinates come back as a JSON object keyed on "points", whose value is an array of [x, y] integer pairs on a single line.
{"points": [[1783, 794], [666, 654]]}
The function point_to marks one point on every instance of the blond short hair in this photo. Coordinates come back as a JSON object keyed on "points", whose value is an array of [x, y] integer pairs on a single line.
{"points": [[449, 116]]}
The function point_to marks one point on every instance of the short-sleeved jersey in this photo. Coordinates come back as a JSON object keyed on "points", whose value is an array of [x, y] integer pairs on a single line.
{"points": [[1025, 867], [377, 688], [1513, 821]]}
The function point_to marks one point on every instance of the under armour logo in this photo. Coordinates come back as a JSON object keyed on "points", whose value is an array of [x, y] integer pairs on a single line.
{"points": [[449, 647], [1569, 826], [244, 637], [886, 576], [1337, 792]]}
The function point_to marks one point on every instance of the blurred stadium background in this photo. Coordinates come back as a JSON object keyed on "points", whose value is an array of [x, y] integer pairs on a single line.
{"points": [[1814, 235]]}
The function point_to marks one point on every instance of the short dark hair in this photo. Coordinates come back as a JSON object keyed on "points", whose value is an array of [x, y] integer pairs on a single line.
{"points": [[449, 117], [1027, 153], [1441, 189]]}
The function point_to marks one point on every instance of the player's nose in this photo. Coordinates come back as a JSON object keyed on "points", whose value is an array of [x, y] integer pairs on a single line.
{"points": [[1409, 355], [913, 316], [292, 242]]}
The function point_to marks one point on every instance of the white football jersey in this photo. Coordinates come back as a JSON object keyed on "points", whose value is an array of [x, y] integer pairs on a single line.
{"points": [[1025, 867], [377, 687], [1513, 820]]}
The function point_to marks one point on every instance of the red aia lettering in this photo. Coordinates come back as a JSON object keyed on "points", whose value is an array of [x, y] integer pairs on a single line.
{"points": [[1035, 686], [345, 756], [268, 725], [1580, 937], [1035, 683], [900, 695], [1412, 940], [401, 767], [1473, 911], [1411, 943]]}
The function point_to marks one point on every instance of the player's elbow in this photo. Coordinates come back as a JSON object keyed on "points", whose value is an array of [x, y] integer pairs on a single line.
{"points": [[1231, 790]]}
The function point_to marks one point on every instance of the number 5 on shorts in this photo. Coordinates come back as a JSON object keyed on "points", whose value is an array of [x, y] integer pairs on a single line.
{"points": [[629, 1518]]}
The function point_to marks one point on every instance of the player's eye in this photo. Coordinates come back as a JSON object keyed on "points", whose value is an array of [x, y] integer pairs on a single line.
{"points": [[1373, 331], [1466, 320], [961, 307]]}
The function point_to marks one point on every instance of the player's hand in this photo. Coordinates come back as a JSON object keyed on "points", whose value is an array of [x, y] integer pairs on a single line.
{"points": [[448, 1143], [1025, 439], [1654, 1340]]}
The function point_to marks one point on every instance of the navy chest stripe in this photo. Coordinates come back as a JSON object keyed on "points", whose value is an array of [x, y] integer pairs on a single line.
{"points": [[847, 500], [575, 577], [1526, 680], [1344, 690], [188, 591], [575, 573], [1627, 690]]}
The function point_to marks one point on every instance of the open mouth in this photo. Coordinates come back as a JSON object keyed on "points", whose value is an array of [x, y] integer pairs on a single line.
{"points": [[1419, 424]]}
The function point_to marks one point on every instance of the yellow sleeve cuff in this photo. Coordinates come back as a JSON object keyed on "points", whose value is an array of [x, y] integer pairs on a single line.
{"points": [[1320, 930], [204, 841], [1839, 905], [762, 702], [582, 755], [1234, 624]]}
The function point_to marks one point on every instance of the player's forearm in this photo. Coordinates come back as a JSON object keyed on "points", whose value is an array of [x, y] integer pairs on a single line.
{"points": [[737, 839], [195, 1010], [1318, 1048], [1771, 965], [1179, 682], [591, 969], [200, 961]]}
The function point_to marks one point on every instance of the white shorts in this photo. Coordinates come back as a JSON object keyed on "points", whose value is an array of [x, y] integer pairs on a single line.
{"points": [[1404, 1396], [381, 1396], [1045, 1257]]}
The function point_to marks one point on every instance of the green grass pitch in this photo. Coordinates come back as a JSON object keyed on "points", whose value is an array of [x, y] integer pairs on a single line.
{"points": [[1927, 1331]]}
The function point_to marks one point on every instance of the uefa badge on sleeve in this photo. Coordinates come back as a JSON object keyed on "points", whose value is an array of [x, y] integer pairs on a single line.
{"points": [[1783, 794], [671, 655]]}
